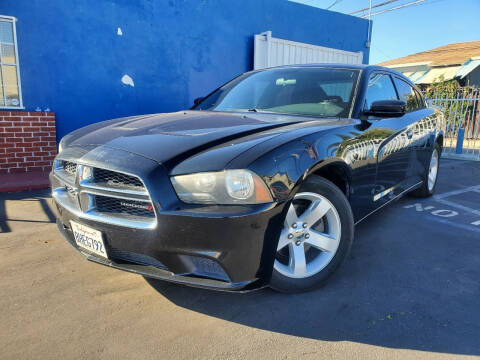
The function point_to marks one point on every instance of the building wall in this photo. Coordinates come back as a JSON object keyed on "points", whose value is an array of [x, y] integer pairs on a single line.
{"points": [[72, 58], [27, 141], [473, 79]]}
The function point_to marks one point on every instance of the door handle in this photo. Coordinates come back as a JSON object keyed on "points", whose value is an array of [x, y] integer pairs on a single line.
{"points": [[409, 133]]}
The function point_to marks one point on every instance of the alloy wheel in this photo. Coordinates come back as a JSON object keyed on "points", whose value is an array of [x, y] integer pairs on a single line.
{"points": [[310, 236]]}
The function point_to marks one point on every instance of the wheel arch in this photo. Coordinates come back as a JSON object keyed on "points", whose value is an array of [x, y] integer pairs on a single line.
{"points": [[334, 170], [439, 140]]}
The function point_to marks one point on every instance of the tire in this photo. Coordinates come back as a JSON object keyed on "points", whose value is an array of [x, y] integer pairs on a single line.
{"points": [[325, 240], [428, 187]]}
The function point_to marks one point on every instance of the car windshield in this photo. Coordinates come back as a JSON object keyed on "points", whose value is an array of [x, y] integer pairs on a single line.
{"points": [[321, 92]]}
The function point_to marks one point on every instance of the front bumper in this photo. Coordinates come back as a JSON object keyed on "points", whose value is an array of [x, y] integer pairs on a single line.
{"points": [[229, 248], [242, 247]]}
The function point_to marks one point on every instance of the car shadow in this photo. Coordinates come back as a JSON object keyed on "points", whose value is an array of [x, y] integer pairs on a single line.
{"points": [[39, 196], [382, 295]]}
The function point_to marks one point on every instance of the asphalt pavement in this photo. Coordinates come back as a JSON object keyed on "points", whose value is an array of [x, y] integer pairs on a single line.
{"points": [[410, 289]]}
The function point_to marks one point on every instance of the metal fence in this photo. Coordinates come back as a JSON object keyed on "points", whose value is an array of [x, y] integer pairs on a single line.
{"points": [[462, 116]]}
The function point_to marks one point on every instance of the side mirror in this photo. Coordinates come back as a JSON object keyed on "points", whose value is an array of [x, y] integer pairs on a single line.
{"points": [[387, 108], [198, 100]]}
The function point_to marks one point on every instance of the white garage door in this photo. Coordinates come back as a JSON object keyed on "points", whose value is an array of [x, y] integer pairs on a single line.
{"points": [[270, 51]]}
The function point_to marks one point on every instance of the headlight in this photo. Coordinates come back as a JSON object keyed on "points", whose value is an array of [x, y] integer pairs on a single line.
{"points": [[224, 187]]}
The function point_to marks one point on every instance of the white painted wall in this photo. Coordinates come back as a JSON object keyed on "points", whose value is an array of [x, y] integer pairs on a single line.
{"points": [[270, 51]]}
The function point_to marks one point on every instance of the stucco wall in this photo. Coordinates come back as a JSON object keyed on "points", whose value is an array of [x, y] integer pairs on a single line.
{"points": [[72, 59]]}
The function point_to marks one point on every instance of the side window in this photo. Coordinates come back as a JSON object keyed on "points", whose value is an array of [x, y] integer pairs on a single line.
{"points": [[407, 94], [421, 102], [380, 87]]}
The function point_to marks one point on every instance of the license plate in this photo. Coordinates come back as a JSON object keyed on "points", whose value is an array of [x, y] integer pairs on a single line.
{"points": [[89, 239]]}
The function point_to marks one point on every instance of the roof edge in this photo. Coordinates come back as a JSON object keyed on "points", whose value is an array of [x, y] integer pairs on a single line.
{"points": [[406, 64]]}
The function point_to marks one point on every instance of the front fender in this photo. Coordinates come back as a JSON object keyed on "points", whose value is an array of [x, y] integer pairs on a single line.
{"points": [[286, 167]]}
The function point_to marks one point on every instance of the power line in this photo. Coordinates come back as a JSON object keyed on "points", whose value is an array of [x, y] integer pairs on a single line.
{"points": [[333, 4], [374, 6], [432, 2], [394, 8], [381, 51]]}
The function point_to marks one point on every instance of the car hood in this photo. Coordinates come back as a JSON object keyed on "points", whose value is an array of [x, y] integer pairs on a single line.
{"points": [[180, 135]]}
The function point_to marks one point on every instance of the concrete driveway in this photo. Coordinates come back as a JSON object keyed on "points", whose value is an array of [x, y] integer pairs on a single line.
{"points": [[410, 289]]}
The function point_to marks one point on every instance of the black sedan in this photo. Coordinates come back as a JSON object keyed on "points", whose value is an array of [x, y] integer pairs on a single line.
{"points": [[260, 183]]}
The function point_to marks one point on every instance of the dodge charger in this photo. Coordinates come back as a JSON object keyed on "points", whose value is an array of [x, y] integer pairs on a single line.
{"points": [[260, 183]]}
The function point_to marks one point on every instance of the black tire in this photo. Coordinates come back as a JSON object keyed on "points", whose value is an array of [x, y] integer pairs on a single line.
{"points": [[321, 186], [423, 191]]}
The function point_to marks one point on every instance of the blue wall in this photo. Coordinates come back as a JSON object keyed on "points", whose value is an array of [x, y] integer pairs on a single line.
{"points": [[72, 59]]}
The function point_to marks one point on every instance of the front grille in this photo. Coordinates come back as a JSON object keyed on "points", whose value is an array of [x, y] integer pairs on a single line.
{"points": [[66, 169], [70, 168], [105, 204], [115, 179], [102, 194]]}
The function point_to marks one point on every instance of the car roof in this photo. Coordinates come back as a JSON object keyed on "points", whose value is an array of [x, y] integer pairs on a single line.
{"points": [[364, 67], [335, 65]]}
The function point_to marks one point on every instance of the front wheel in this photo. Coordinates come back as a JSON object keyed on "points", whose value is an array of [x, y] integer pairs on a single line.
{"points": [[316, 237]]}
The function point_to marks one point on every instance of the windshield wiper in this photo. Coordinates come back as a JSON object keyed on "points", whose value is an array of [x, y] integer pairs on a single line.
{"points": [[253, 110]]}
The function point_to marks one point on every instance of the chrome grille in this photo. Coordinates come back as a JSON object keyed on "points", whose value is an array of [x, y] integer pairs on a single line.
{"points": [[70, 168], [105, 204], [66, 169], [103, 195], [115, 179]]}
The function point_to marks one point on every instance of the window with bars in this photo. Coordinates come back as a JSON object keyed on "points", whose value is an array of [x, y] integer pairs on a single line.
{"points": [[10, 89]]}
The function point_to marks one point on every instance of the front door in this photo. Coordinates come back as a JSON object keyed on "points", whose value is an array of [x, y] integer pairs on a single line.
{"points": [[392, 138]]}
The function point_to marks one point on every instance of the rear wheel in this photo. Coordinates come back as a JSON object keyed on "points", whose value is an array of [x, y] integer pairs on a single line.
{"points": [[431, 175], [316, 237]]}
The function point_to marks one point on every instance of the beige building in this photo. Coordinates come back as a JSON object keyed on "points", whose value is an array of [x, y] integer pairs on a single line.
{"points": [[459, 61]]}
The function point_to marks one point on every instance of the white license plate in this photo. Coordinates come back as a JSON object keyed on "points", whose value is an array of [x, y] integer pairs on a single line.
{"points": [[89, 239]]}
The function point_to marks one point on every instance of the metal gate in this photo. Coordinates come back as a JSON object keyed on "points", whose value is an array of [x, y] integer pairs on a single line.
{"points": [[270, 51], [462, 115]]}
